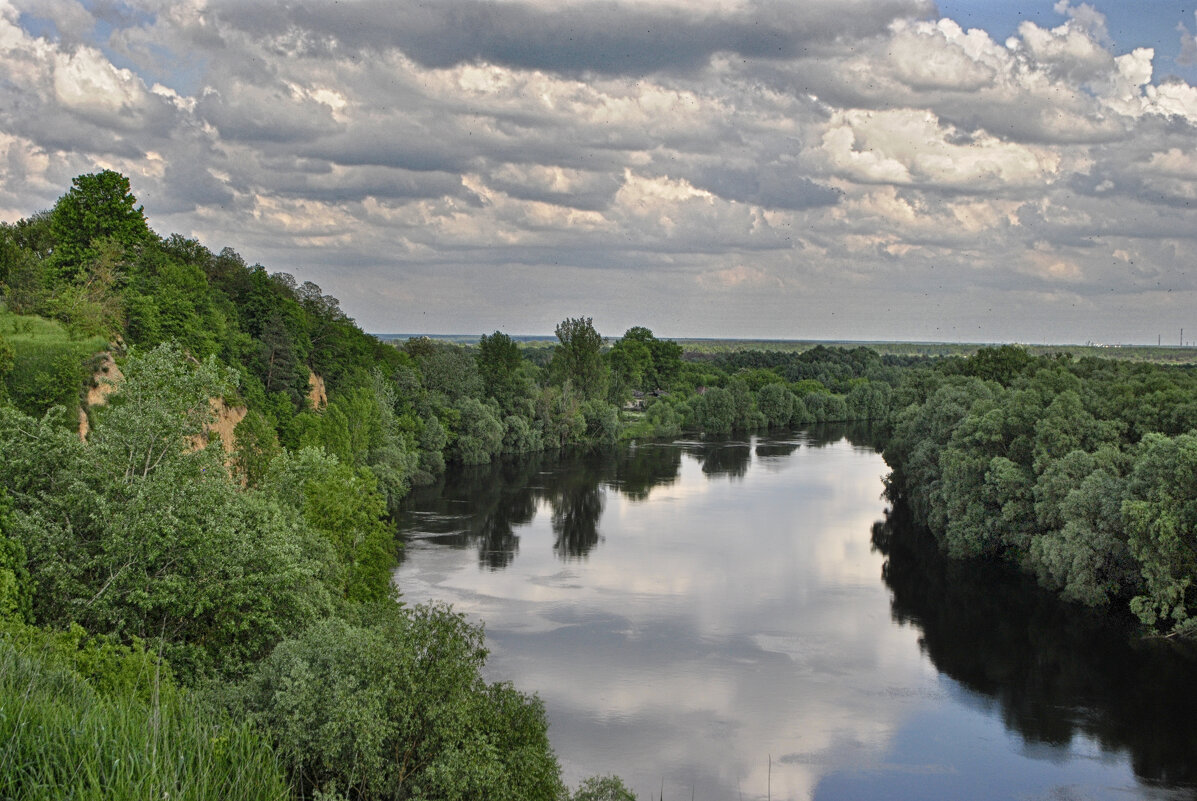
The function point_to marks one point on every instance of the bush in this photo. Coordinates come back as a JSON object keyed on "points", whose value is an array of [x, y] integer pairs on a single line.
{"points": [[394, 706]]}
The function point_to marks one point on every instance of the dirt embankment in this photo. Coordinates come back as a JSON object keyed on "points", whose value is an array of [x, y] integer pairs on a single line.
{"points": [[107, 378], [225, 419], [103, 383], [317, 395]]}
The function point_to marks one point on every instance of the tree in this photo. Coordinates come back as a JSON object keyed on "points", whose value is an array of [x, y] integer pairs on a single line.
{"points": [[7, 359], [343, 506], [603, 788], [1161, 520], [162, 405], [640, 360], [257, 446], [630, 360], [279, 364], [579, 358], [14, 576], [499, 362], [717, 411], [1002, 364], [98, 207], [776, 403], [394, 707], [480, 434]]}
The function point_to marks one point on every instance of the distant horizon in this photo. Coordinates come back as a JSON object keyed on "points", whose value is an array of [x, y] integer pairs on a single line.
{"points": [[797, 340]]}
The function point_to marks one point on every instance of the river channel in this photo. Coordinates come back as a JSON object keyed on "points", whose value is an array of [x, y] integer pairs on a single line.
{"points": [[746, 619]]}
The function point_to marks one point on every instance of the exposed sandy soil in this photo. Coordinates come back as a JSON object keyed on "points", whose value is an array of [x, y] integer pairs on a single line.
{"points": [[108, 377], [317, 395]]}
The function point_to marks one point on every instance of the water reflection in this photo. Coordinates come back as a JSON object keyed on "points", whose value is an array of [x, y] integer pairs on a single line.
{"points": [[768, 450], [721, 458], [478, 507], [735, 639], [577, 503], [859, 434], [481, 507], [637, 470], [1055, 670]]}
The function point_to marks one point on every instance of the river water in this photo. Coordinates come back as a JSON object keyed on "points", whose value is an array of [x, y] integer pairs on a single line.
{"points": [[745, 619]]}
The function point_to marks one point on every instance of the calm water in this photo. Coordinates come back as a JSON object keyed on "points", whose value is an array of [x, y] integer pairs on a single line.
{"points": [[745, 619]]}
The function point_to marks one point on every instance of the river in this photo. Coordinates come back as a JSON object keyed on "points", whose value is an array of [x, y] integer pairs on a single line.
{"points": [[746, 619]]}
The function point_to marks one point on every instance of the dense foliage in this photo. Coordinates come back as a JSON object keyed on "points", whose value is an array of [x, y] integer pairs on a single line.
{"points": [[1082, 472]]}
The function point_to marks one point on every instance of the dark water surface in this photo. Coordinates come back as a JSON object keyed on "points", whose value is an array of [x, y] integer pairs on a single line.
{"points": [[746, 619]]}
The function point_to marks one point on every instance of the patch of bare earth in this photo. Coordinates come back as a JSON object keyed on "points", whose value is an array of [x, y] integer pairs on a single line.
{"points": [[103, 383], [317, 394], [224, 420]]}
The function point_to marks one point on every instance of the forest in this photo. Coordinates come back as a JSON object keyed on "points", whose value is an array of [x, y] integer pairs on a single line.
{"points": [[200, 461]]}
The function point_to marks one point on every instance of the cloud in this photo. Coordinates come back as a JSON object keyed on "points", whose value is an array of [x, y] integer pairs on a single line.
{"points": [[913, 147], [1188, 45], [810, 156], [611, 38]]}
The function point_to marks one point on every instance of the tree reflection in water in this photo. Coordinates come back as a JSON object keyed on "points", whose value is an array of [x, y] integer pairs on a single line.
{"points": [[729, 459], [499, 497], [1055, 669], [482, 507]]}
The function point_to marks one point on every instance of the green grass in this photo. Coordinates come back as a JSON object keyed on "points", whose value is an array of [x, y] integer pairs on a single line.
{"points": [[61, 739], [49, 363]]}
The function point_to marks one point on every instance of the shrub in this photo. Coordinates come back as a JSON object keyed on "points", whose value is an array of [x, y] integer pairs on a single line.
{"points": [[394, 706]]}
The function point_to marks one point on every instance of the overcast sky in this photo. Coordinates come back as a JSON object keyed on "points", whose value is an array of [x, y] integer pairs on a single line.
{"points": [[847, 169]]}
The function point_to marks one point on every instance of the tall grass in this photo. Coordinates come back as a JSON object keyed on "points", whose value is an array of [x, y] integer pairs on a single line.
{"points": [[48, 362], [61, 739]]}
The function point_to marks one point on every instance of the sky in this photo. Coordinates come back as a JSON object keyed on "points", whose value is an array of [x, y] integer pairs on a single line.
{"points": [[791, 169]]}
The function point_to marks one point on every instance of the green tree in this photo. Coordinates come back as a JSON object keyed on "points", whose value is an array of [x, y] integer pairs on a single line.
{"points": [[161, 407], [480, 434], [578, 358], [15, 589], [716, 411], [630, 360], [257, 446], [1002, 363], [1161, 520], [447, 370], [499, 363], [776, 403], [279, 363], [665, 361], [98, 207], [140, 535], [7, 359], [343, 506], [346, 507], [394, 707], [1087, 558], [603, 788]]}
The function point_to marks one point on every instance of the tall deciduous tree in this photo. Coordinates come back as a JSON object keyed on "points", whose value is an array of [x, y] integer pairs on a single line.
{"points": [[499, 362], [98, 207], [578, 359]]}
